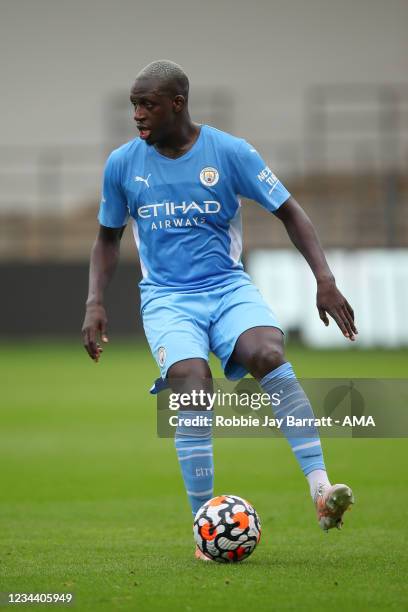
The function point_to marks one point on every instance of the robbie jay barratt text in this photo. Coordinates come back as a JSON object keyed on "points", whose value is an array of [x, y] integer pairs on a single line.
{"points": [[204, 420]]}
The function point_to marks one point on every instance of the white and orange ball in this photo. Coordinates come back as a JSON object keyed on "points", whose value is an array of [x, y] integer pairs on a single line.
{"points": [[227, 529]]}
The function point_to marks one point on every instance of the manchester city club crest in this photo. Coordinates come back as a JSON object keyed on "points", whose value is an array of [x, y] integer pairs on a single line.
{"points": [[209, 176], [161, 353]]}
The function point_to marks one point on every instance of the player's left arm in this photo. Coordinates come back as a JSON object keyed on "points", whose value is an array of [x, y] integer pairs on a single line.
{"points": [[330, 300]]}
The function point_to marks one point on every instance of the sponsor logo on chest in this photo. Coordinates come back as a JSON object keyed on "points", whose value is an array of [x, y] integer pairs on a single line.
{"points": [[187, 213], [171, 209], [166, 215]]}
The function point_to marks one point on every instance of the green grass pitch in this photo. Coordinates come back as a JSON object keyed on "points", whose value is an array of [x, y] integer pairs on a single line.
{"points": [[92, 501]]}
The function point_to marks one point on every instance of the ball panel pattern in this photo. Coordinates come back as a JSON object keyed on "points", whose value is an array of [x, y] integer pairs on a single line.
{"points": [[227, 529]]}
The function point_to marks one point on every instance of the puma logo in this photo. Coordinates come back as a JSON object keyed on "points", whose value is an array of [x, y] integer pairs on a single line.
{"points": [[140, 179]]}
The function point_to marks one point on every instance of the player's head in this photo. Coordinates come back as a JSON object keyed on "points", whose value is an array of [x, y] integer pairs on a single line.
{"points": [[160, 97]]}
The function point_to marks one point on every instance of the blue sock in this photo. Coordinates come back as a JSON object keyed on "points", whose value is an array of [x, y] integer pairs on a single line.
{"points": [[195, 455], [304, 441]]}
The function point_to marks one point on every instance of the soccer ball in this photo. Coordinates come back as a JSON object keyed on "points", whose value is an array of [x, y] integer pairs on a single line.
{"points": [[227, 529]]}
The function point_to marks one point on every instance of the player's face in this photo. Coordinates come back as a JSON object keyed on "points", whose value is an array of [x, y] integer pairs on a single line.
{"points": [[154, 111]]}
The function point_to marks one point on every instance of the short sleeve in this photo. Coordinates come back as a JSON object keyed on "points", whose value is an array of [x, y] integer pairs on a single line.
{"points": [[113, 210], [255, 180]]}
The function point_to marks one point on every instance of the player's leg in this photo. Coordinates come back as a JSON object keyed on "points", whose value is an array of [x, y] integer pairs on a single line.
{"points": [[193, 438], [176, 328], [247, 338], [261, 351]]}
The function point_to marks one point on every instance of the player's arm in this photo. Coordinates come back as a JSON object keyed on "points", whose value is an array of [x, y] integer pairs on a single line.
{"points": [[255, 180], [104, 259], [329, 299], [113, 216]]}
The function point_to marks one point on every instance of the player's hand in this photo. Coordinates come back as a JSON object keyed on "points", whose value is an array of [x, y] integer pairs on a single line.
{"points": [[94, 329], [331, 301]]}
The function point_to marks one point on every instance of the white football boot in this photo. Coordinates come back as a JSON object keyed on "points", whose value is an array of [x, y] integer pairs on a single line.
{"points": [[331, 503]]}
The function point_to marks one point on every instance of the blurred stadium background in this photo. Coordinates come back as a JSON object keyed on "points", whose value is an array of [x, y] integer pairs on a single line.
{"points": [[319, 88]]}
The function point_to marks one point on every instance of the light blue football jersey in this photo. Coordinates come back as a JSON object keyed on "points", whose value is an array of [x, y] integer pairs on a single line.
{"points": [[186, 212]]}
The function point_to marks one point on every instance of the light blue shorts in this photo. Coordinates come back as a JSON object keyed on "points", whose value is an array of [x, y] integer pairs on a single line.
{"points": [[185, 325]]}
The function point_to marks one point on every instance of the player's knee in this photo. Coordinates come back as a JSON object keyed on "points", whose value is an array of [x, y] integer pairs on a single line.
{"points": [[190, 375], [189, 368], [267, 357]]}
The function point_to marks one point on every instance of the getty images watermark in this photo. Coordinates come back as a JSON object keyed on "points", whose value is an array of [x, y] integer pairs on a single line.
{"points": [[364, 408], [207, 400]]}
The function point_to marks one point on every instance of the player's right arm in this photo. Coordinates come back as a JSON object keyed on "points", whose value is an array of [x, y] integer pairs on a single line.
{"points": [[104, 258], [113, 216]]}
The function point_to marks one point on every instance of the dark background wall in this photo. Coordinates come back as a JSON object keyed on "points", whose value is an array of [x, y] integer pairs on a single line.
{"points": [[48, 299]]}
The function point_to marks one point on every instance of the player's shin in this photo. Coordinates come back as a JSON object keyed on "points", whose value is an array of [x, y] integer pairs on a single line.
{"points": [[195, 454], [304, 440]]}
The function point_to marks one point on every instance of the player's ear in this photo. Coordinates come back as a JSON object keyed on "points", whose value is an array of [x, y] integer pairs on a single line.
{"points": [[179, 103]]}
